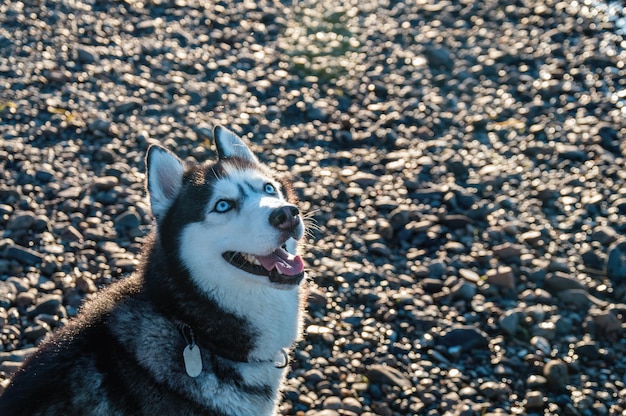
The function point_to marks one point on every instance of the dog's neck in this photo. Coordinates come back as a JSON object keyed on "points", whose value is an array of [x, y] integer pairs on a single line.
{"points": [[281, 360], [245, 325]]}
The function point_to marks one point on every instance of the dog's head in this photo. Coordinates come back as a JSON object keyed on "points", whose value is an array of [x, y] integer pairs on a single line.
{"points": [[228, 222]]}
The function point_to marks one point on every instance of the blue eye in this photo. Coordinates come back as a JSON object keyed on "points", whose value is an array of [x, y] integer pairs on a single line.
{"points": [[269, 189], [223, 206]]}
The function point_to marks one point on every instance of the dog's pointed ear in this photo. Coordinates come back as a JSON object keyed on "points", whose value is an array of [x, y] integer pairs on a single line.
{"points": [[230, 145], [164, 178]]}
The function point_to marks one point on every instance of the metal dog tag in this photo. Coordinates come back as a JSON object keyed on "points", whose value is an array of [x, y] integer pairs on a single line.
{"points": [[193, 360]]}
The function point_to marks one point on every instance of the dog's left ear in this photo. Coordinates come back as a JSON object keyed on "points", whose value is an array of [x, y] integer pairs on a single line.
{"points": [[164, 178], [230, 145]]}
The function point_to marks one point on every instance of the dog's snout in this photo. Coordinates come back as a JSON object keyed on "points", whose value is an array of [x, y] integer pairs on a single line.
{"points": [[285, 217]]}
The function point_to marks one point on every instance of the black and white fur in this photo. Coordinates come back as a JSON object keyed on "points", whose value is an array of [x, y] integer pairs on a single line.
{"points": [[123, 354]]}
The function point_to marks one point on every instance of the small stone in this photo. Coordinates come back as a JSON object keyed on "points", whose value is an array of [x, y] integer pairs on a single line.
{"points": [[127, 221], [571, 152], [128, 105], [507, 251], [466, 338], [124, 264], [18, 355], [545, 330], [316, 297], [41, 223], [332, 402], [535, 380], [21, 221], [35, 332], [468, 392], [534, 400], [44, 175], [5, 210], [384, 374], [105, 154], [100, 125], [579, 299], [105, 183], [608, 325], [8, 291], [9, 367], [431, 285], [532, 237], [353, 405], [556, 373], [364, 179], [22, 284], [327, 412], [616, 262], [603, 234], [385, 229], [25, 299], [510, 321], [592, 260], [469, 275], [85, 284], [463, 290], [492, 389], [399, 217], [439, 57], [379, 249], [436, 269], [456, 221], [47, 304], [70, 233], [72, 192], [23, 254], [587, 350], [558, 281], [502, 277], [85, 55], [541, 344]]}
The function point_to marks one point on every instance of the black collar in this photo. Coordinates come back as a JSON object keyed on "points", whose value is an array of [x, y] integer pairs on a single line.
{"points": [[187, 334]]}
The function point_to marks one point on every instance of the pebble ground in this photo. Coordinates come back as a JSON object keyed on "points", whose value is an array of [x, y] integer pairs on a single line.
{"points": [[462, 163]]}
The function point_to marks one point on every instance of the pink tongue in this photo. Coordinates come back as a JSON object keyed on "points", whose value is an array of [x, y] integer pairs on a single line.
{"points": [[284, 262]]}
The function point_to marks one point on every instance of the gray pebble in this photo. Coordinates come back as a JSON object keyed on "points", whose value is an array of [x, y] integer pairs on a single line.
{"points": [[510, 321], [23, 254], [384, 374], [558, 281], [47, 304], [86, 55], [127, 221], [556, 373], [21, 220], [36, 332], [534, 400], [467, 338], [616, 262]]}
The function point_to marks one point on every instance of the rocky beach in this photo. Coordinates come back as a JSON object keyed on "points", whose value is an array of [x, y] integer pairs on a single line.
{"points": [[461, 165]]}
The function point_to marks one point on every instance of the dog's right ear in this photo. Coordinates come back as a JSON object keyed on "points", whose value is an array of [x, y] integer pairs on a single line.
{"points": [[230, 145], [164, 178]]}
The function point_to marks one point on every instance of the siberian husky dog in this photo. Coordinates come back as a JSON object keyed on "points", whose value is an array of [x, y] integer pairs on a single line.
{"points": [[205, 326]]}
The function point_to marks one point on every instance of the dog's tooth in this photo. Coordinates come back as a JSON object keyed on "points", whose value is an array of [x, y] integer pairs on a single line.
{"points": [[249, 258]]}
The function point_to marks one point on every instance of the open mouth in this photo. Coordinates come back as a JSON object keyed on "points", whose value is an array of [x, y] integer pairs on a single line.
{"points": [[279, 267]]}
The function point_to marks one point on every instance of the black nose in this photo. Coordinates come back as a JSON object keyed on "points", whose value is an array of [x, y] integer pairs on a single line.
{"points": [[285, 217]]}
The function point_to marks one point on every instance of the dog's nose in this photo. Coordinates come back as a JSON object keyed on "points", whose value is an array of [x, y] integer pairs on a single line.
{"points": [[285, 217]]}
